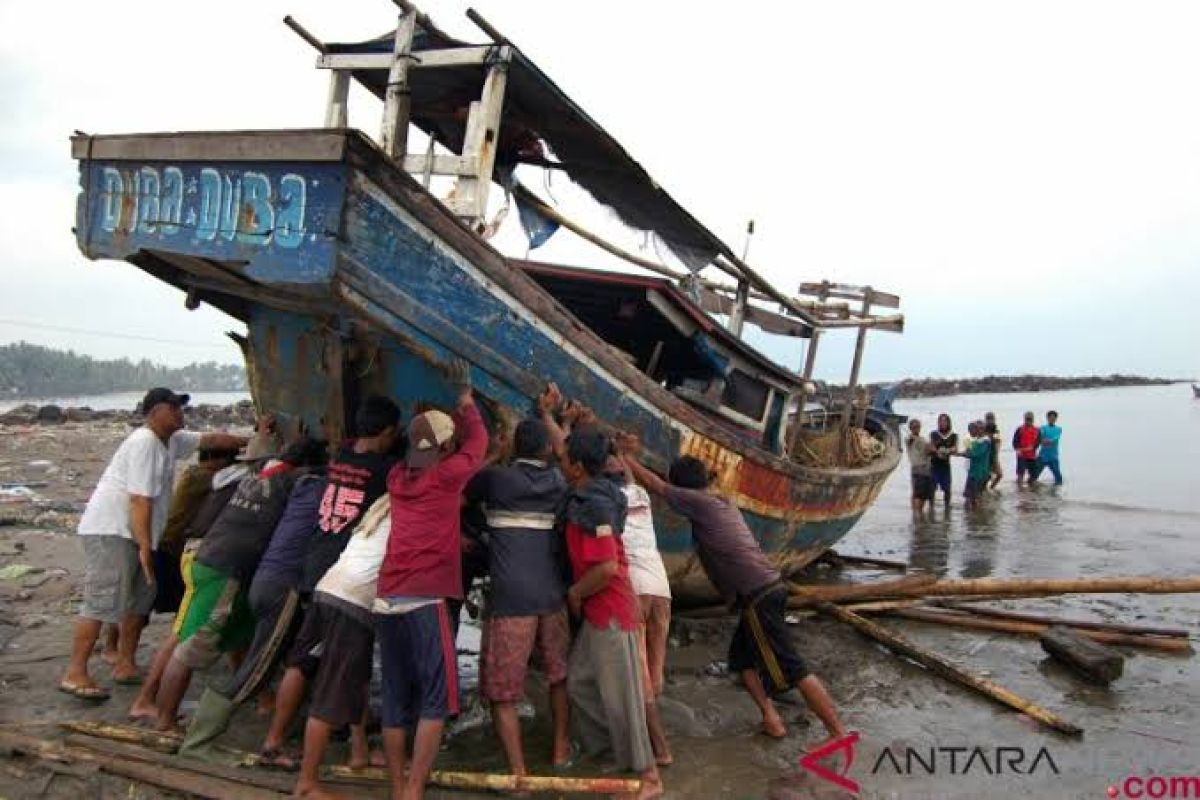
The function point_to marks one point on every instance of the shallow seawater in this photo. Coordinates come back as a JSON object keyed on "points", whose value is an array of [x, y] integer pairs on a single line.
{"points": [[1130, 506]]}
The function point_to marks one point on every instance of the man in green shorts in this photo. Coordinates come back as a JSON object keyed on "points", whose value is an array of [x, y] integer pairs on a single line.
{"points": [[216, 614]]}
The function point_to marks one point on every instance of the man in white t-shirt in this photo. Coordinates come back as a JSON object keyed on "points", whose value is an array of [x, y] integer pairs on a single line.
{"points": [[339, 622], [121, 526]]}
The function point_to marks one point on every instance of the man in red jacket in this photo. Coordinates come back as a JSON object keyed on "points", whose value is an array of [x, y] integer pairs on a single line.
{"points": [[421, 570], [1025, 441]]}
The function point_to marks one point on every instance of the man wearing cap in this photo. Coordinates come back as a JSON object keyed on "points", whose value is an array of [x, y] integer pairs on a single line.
{"points": [[421, 569], [120, 528]]}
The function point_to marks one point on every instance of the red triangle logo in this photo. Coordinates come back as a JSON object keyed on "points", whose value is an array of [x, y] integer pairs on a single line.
{"points": [[811, 762]]}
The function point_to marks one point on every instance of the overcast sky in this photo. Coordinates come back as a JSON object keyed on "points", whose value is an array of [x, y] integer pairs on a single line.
{"points": [[1025, 175]]}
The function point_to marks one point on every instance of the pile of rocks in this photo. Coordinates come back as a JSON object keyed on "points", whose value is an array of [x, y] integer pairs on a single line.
{"points": [[996, 384], [200, 417]]}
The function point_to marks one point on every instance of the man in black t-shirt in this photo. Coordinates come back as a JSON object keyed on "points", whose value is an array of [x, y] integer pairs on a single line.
{"points": [[357, 477], [944, 442]]}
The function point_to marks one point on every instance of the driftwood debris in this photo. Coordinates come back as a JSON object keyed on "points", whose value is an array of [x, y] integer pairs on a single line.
{"points": [[1092, 660], [1115, 627], [501, 783], [942, 666], [272, 781], [191, 782], [1035, 629], [837, 559]]}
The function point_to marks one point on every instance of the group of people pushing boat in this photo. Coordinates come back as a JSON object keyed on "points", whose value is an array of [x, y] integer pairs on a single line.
{"points": [[287, 558], [1036, 450]]}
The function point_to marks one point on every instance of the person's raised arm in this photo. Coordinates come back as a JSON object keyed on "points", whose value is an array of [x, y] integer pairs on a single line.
{"points": [[548, 402], [628, 446], [474, 442]]}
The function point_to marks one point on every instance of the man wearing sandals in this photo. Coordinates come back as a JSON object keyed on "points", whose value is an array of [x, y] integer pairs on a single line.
{"points": [[120, 528]]}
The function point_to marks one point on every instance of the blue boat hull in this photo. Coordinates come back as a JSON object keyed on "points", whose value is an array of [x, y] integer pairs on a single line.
{"points": [[354, 280]]}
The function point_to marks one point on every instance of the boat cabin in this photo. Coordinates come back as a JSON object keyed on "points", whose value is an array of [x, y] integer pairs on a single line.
{"points": [[662, 332]]}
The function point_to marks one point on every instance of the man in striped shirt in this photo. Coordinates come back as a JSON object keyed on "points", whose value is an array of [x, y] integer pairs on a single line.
{"points": [[527, 606]]}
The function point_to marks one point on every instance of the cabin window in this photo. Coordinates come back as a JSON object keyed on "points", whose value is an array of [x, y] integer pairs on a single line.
{"points": [[745, 395]]}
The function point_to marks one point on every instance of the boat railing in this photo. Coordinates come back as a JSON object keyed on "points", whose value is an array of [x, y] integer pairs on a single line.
{"points": [[417, 51]]}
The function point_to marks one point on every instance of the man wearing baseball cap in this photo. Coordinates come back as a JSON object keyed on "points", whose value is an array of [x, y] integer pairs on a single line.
{"points": [[421, 569], [122, 524]]}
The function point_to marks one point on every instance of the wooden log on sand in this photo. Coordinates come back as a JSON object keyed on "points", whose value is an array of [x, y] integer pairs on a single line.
{"points": [[501, 783], [836, 558], [947, 669], [274, 781], [1034, 629], [1090, 659], [187, 782], [1003, 613], [871, 606], [911, 586]]}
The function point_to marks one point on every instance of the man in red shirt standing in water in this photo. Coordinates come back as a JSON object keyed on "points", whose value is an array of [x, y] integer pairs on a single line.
{"points": [[1025, 441], [762, 648], [421, 570]]}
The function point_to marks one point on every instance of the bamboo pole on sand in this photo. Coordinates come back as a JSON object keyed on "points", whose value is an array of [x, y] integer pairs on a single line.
{"points": [[168, 743], [942, 666], [503, 783], [1035, 629], [910, 586], [1018, 587], [720, 611], [159, 741], [927, 586], [1096, 625]]}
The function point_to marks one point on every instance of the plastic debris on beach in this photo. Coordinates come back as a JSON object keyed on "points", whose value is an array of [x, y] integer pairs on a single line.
{"points": [[17, 493], [14, 572]]}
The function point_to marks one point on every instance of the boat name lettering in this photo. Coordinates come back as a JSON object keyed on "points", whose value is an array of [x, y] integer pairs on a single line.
{"points": [[244, 206]]}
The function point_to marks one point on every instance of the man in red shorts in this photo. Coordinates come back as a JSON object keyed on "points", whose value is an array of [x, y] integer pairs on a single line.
{"points": [[527, 607]]}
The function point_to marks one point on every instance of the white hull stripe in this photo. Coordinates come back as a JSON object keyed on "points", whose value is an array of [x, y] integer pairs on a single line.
{"points": [[530, 520]]}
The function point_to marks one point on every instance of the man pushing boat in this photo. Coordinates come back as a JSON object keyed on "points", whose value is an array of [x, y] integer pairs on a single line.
{"points": [[762, 650]]}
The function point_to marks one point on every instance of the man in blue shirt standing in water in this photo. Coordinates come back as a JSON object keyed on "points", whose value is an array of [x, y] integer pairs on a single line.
{"points": [[1048, 453]]}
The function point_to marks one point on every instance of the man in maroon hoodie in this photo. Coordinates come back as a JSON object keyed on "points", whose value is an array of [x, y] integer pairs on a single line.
{"points": [[421, 570]]}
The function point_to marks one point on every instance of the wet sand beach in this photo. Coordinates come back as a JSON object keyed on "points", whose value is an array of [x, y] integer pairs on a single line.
{"points": [[1114, 517]]}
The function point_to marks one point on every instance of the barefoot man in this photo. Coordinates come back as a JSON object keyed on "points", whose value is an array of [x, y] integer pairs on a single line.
{"points": [[762, 649]]}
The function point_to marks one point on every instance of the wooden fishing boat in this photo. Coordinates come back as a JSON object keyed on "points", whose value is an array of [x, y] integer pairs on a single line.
{"points": [[352, 278]]}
